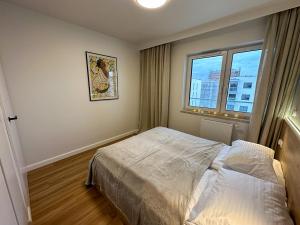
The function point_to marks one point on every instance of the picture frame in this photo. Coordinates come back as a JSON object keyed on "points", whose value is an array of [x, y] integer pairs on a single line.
{"points": [[102, 74]]}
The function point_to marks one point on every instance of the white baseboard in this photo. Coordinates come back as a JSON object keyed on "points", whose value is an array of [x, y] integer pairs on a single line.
{"points": [[77, 151]]}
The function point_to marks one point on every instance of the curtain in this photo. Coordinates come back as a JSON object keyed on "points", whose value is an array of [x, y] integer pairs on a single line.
{"points": [[154, 87], [278, 79]]}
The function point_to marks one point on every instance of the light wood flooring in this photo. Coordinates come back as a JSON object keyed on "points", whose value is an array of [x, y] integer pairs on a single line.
{"points": [[58, 195]]}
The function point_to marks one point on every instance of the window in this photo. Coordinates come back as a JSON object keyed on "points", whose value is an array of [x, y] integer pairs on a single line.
{"points": [[243, 108], [205, 81], [233, 86], [244, 66], [247, 85], [230, 107], [245, 97], [215, 81], [232, 96]]}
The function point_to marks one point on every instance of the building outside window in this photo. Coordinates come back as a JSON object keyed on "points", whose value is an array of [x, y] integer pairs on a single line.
{"points": [[233, 86], [231, 96], [243, 108], [230, 107], [247, 85], [245, 97], [223, 81], [205, 82]]}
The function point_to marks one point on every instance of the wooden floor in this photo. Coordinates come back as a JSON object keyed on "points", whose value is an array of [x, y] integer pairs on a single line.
{"points": [[58, 195]]}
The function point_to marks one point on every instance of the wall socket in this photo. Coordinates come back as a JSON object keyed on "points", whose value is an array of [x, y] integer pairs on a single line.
{"points": [[280, 143]]}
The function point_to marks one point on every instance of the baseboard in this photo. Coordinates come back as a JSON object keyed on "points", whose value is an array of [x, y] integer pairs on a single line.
{"points": [[77, 151]]}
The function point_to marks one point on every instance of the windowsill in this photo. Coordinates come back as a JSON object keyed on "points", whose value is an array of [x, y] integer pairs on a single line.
{"points": [[293, 125], [228, 116]]}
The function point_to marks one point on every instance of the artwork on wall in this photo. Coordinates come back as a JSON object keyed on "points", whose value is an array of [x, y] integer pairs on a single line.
{"points": [[102, 76]]}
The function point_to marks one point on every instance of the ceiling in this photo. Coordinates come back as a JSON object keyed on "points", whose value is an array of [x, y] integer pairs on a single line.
{"points": [[125, 20]]}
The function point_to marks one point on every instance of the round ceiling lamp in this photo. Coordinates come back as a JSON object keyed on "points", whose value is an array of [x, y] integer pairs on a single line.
{"points": [[151, 4]]}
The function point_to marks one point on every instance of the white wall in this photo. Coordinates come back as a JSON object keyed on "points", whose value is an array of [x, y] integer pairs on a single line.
{"points": [[44, 64], [228, 37]]}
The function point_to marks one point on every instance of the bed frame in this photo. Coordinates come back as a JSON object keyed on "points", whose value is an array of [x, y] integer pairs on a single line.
{"points": [[289, 156]]}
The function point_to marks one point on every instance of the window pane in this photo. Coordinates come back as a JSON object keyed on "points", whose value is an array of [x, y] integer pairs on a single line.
{"points": [[205, 81], [244, 71]]}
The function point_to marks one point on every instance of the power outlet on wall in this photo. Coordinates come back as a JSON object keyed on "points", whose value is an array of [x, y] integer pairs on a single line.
{"points": [[280, 143]]}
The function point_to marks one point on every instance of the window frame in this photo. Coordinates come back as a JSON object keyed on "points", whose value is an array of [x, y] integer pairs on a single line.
{"points": [[230, 54], [224, 79]]}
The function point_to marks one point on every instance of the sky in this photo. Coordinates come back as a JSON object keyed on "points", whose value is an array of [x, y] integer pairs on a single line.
{"points": [[247, 61]]}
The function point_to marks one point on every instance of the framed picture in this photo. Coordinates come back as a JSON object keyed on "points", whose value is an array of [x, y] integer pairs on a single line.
{"points": [[102, 76]]}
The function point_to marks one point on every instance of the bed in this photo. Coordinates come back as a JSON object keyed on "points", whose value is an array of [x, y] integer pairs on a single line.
{"points": [[167, 177]]}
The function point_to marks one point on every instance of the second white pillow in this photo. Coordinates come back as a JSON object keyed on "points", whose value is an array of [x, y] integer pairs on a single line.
{"points": [[253, 146], [252, 162]]}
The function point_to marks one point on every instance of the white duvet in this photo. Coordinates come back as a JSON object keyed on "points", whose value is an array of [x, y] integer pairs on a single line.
{"points": [[152, 177]]}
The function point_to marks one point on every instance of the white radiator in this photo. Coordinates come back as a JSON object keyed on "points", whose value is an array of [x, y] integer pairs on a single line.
{"points": [[216, 131]]}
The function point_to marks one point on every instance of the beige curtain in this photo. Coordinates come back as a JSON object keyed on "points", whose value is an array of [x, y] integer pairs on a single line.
{"points": [[155, 86], [279, 74]]}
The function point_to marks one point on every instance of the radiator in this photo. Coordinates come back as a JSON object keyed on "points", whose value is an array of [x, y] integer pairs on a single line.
{"points": [[216, 130]]}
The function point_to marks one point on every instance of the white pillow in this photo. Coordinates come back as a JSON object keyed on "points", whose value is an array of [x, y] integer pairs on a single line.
{"points": [[252, 162], [253, 146], [240, 199]]}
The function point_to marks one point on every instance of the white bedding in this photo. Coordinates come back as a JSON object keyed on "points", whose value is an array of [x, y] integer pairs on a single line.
{"points": [[218, 163], [253, 162], [249, 197], [240, 199], [209, 178], [206, 182], [152, 177], [207, 198], [249, 146]]}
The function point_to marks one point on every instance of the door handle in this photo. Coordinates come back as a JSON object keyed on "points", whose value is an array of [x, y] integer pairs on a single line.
{"points": [[12, 118]]}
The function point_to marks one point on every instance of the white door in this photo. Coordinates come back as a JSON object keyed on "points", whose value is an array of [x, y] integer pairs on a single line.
{"points": [[7, 213], [12, 157]]}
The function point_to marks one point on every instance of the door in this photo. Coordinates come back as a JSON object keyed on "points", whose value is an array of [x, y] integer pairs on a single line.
{"points": [[12, 157], [7, 213]]}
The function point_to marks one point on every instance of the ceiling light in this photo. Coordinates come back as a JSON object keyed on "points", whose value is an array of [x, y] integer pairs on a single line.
{"points": [[151, 4]]}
